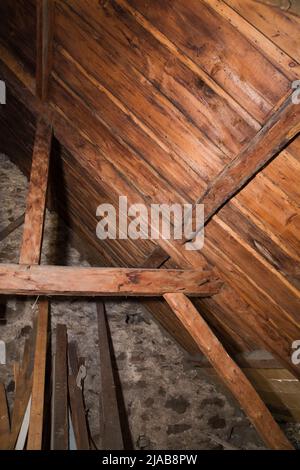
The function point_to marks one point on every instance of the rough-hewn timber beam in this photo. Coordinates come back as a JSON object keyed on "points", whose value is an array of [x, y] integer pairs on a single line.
{"points": [[81, 281], [229, 371], [36, 198]]}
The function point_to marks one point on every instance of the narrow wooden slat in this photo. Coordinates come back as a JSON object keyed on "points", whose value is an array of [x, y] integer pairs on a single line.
{"points": [[60, 435], [276, 133], [4, 419], [76, 401], [110, 426], [36, 199], [12, 227], [228, 371], [38, 388], [81, 281], [78, 415], [23, 390], [73, 358]]}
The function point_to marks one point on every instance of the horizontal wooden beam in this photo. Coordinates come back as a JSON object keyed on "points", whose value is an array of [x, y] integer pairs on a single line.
{"points": [[229, 372], [80, 281]]}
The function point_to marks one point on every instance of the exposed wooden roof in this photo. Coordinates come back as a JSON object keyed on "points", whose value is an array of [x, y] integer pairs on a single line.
{"points": [[153, 100]]}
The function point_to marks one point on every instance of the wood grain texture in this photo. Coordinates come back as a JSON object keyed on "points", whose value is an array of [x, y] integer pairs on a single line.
{"points": [[281, 27], [277, 132], [77, 407], [187, 90], [60, 427], [36, 199], [78, 414], [229, 372], [56, 280], [268, 44], [35, 433], [18, 30], [110, 426], [191, 26], [23, 390]]}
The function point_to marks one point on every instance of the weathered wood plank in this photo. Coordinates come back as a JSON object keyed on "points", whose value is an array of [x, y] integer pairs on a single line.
{"points": [[119, 29], [122, 122], [229, 372], [78, 415], [18, 30], [270, 21], [76, 401], [210, 41], [265, 42], [36, 198], [110, 426], [35, 433], [23, 390], [60, 280], [59, 432], [173, 129]]}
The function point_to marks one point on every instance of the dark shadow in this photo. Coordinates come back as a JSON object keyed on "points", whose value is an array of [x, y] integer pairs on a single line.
{"points": [[57, 201], [3, 301]]}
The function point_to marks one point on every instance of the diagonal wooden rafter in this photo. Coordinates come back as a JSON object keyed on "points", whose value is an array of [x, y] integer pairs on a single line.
{"points": [[229, 372], [277, 132], [36, 198]]}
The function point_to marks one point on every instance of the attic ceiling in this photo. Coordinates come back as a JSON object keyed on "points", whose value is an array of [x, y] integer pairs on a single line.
{"points": [[153, 100]]}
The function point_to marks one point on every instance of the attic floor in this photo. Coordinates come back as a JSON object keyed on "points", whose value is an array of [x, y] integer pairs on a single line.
{"points": [[169, 402]]}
